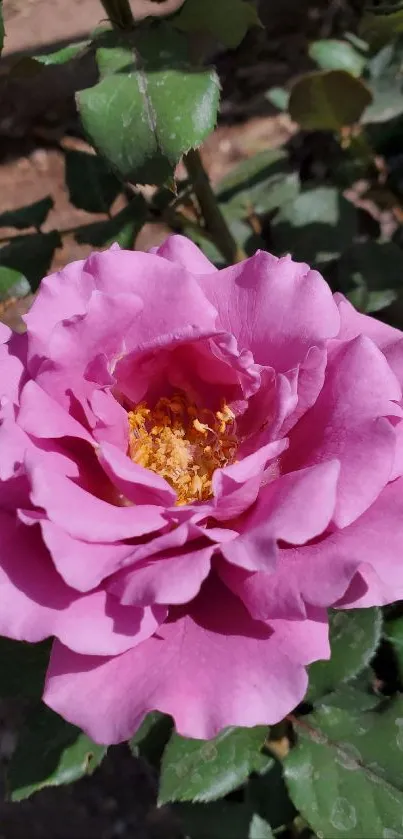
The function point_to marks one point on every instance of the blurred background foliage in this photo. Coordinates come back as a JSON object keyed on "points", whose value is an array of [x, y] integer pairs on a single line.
{"points": [[329, 190]]}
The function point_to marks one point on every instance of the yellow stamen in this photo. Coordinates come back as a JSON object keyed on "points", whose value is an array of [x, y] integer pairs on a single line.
{"points": [[172, 440]]}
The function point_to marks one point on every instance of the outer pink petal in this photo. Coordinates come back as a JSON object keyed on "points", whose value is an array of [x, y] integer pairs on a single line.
{"points": [[172, 299], [108, 326], [387, 338], [11, 371], [5, 333], [61, 295], [170, 580], [357, 566], [275, 307], [372, 545], [35, 603], [183, 252], [266, 595], [87, 517], [348, 422], [13, 444], [294, 508], [43, 417], [209, 669], [353, 323], [306, 640], [83, 565], [398, 462]]}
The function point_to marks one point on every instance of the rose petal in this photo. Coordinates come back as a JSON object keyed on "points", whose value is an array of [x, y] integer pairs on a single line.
{"points": [[87, 517], [35, 603], [371, 545], [182, 251], [137, 484], [83, 565], [43, 417], [276, 308], [218, 643], [169, 579], [347, 422], [236, 487], [294, 508]]}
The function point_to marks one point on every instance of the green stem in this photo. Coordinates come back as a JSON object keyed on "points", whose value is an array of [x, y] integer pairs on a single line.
{"points": [[215, 222], [119, 13]]}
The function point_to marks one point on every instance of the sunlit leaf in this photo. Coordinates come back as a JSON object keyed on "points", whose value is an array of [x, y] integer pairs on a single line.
{"points": [[345, 773], [332, 54], [316, 227], [150, 106], [354, 638], [194, 770]]}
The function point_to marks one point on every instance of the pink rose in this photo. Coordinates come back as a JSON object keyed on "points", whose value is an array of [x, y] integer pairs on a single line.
{"points": [[194, 464]]}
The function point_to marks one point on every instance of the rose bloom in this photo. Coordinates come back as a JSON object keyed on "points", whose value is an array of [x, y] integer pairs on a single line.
{"points": [[194, 465]]}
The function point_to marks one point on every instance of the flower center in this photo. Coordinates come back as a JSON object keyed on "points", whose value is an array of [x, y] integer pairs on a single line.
{"points": [[183, 444]]}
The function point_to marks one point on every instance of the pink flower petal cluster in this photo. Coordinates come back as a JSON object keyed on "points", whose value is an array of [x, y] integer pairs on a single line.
{"points": [[208, 610]]}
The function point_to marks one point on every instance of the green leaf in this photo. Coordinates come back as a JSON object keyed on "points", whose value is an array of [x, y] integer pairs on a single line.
{"points": [[316, 227], [378, 29], [345, 774], [259, 829], [279, 97], [331, 54], [227, 20], [328, 100], [194, 770], [150, 106], [122, 228], [243, 233], [50, 752], [394, 633], [63, 55], [354, 638], [356, 42], [262, 183], [91, 184], [385, 82], [371, 275], [31, 255], [32, 215], [354, 695], [12, 283], [22, 668], [151, 738]]}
